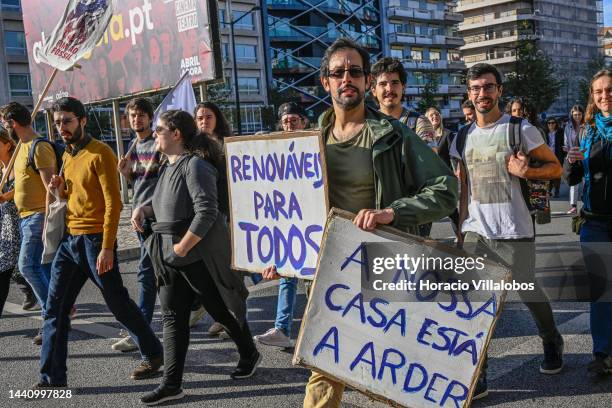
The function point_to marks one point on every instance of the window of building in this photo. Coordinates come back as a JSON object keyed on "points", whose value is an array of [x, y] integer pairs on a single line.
{"points": [[225, 52], [246, 23], [246, 53], [251, 119], [15, 43], [434, 55], [11, 5], [248, 85], [20, 85], [416, 54], [397, 53], [222, 17]]}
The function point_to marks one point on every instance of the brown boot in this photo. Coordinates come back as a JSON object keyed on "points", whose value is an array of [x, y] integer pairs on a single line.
{"points": [[147, 368]]}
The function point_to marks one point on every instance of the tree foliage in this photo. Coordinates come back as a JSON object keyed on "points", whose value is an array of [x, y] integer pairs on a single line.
{"points": [[534, 77], [428, 95]]}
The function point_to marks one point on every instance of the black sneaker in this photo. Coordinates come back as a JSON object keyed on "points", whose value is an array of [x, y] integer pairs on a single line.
{"points": [[37, 340], [481, 390], [599, 367], [162, 394], [247, 366], [553, 357], [148, 368]]}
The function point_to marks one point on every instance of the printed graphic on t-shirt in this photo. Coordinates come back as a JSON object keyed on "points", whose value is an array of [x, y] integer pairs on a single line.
{"points": [[490, 182]]}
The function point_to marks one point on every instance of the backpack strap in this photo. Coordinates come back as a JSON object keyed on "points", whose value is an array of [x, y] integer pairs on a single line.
{"points": [[31, 162], [515, 140], [461, 138]]}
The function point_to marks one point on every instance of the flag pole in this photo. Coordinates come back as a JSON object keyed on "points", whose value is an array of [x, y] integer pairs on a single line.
{"points": [[42, 96]]}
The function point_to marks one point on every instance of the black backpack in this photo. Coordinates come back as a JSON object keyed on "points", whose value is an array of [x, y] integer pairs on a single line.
{"points": [[58, 149], [515, 141]]}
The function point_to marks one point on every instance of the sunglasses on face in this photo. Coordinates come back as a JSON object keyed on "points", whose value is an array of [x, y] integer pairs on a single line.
{"points": [[353, 72]]}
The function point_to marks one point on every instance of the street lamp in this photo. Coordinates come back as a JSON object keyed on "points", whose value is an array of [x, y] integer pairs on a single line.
{"points": [[236, 93]]}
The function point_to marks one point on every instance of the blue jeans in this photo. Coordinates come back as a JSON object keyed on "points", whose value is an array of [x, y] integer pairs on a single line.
{"points": [[287, 290], [30, 256], [146, 278], [597, 257], [74, 264]]}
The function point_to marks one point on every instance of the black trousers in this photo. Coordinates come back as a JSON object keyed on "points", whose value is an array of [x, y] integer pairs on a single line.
{"points": [[5, 284], [191, 282]]}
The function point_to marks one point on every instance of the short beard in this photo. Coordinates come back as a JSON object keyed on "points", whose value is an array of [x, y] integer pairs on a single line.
{"points": [[347, 105], [494, 103], [75, 137], [13, 134]]}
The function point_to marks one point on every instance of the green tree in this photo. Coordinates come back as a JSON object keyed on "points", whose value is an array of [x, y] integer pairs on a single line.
{"points": [[428, 96], [534, 77], [594, 65]]}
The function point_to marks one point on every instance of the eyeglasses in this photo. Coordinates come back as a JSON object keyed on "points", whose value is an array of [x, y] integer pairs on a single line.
{"points": [[293, 121], [353, 72], [64, 122], [488, 88]]}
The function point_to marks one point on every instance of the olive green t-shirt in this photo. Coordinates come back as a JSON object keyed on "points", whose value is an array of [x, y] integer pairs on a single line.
{"points": [[350, 173]]}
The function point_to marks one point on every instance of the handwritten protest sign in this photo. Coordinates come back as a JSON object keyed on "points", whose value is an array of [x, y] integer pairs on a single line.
{"points": [[424, 351], [278, 201]]}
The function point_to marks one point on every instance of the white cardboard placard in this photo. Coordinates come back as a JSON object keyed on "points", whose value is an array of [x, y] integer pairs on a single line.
{"points": [[278, 201], [406, 354]]}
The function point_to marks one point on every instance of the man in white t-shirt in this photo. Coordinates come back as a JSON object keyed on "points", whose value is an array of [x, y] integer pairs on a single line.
{"points": [[493, 213]]}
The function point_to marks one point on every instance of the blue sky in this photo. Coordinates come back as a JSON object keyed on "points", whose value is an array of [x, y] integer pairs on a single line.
{"points": [[608, 13]]}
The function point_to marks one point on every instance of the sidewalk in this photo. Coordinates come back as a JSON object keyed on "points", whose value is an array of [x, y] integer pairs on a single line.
{"points": [[128, 246]]}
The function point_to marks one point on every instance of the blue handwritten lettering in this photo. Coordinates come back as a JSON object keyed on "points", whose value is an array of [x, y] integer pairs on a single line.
{"points": [[333, 333], [369, 347]]}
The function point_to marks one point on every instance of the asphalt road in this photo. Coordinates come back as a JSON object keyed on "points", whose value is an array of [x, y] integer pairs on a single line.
{"points": [[99, 377]]}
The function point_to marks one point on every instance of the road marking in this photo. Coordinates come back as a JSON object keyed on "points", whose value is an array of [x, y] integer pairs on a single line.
{"points": [[579, 324]]}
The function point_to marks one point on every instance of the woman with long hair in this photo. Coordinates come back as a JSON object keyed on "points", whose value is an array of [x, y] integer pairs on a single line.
{"points": [[434, 116], [10, 239], [574, 131], [190, 251], [591, 161], [211, 121]]}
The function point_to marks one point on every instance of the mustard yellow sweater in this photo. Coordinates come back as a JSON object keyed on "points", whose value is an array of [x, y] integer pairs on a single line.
{"points": [[92, 188]]}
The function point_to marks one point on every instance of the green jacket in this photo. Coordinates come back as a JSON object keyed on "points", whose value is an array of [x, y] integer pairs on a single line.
{"points": [[409, 176]]}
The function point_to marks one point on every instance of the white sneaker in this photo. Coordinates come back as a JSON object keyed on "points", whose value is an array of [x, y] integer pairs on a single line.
{"points": [[196, 316], [215, 329], [273, 337], [124, 345]]}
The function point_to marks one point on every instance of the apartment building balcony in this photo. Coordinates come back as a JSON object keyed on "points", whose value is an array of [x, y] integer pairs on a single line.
{"points": [[443, 89], [417, 39], [493, 19], [455, 41], [453, 16], [467, 5], [433, 65], [448, 113], [496, 57]]}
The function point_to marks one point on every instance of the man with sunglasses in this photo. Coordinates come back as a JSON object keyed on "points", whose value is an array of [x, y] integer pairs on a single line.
{"points": [[88, 251], [31, 180], [372, 162], [498, 224]]}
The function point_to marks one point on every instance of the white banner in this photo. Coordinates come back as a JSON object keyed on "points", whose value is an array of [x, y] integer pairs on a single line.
{"points": [[77, 33], [422, 351], [278, 201], [180, 97]]}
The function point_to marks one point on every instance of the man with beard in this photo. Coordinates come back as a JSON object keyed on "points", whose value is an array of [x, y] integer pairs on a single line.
{"points": [[499, 225], [469, 112], [88, 251], [388, 86], [372, 162], [31, 180], [141, 169]]}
